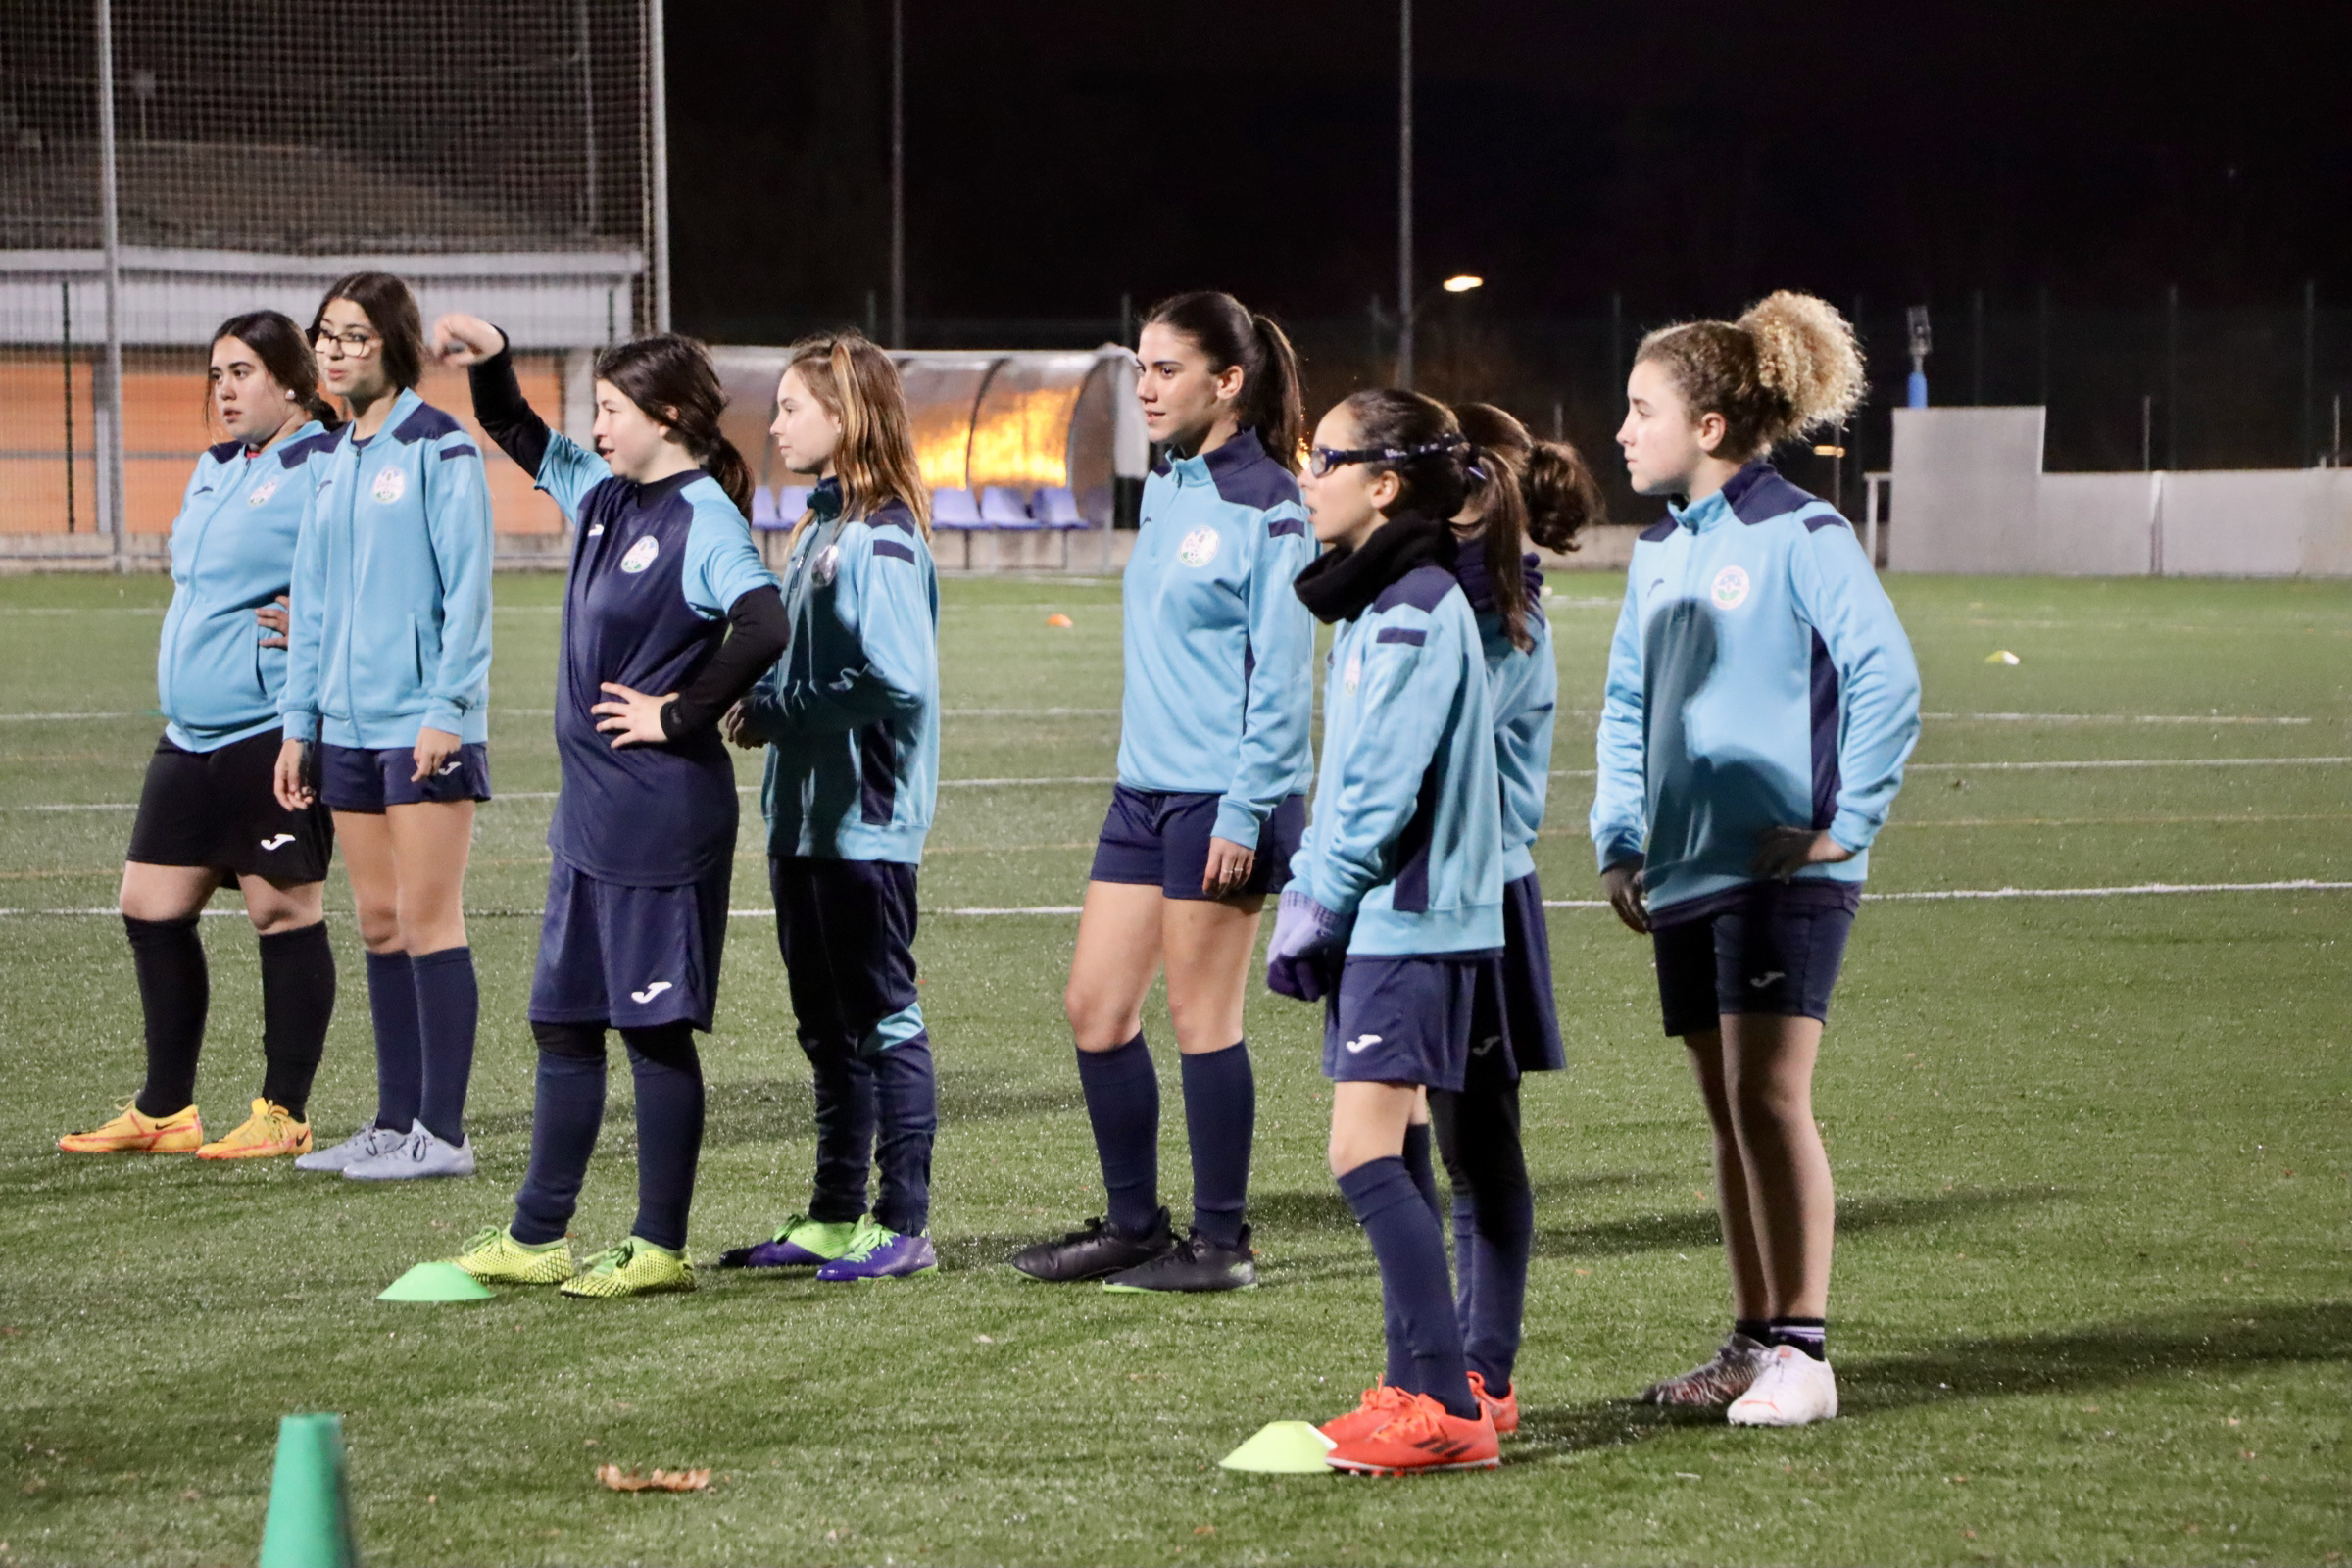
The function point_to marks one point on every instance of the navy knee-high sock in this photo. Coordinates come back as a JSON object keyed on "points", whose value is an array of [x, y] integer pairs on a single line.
{"points": [[1411, 1252], [298, 1003], [1424, 1179], [670, 1128], [565, 1117], [843, 1085], [1122, 1100], [1220, 1117], [906, 1120], [449, 1005], [399, 1048], [1494, 1224], [175, 992]]}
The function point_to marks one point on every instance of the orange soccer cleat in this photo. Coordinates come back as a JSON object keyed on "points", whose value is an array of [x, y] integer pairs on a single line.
{"points": [[269, 1132], [1504, 1412], [1375, 1410], [1421, 1437], [130, 1133]]}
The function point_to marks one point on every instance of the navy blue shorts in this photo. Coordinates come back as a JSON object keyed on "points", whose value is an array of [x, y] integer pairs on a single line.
{"points": [[359, 779], [1436, 1020], [1768, 947], [1527, 1000], [1161, 840], [847, 931], [631, 958]]}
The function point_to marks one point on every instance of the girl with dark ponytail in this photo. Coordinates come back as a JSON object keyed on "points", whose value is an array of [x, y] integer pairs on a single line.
{"points": [[1394, 917], [670, 616], [209, 815], [1213, 758]]}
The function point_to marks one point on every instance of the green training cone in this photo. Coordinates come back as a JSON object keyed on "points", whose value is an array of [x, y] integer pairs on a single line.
{"points": [[309, 1505], [436, 1282], [1282, 1448]]}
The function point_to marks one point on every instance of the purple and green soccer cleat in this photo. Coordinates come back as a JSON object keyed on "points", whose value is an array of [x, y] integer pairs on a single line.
{"points": [[881, 1254], [799, 1243]]}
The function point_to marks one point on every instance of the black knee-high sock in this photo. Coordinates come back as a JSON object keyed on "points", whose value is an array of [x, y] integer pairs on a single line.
{"points": [[449, 1005], [175, 992], [1411, 1252], [844, 1083], [1495, 1224], [399, 1049], [1220, 1117], [907, 1115], [298, 1003], [1122, 1100], [1424, 1179], [568, 1113], [670, 1128]]}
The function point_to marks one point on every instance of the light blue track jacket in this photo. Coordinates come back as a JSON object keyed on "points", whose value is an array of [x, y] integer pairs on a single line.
{"points": [[852, 710], [1220, 653], [391, 624], [1406, 830], [1759, 677], [1525, 689], [233, 552]]}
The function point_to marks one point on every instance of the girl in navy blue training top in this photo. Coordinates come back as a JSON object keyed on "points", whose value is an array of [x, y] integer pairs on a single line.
{"points": [[849, 722], [209, 815], [668, 619], [387, 717]]}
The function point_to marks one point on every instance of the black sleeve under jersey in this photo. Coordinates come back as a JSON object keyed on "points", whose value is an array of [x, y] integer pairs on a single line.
{"points": [[498, 402], [757, 635]]}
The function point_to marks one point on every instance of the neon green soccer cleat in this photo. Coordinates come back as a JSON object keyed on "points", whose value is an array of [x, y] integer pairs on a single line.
{"points": [[636, 1267], [494, 1257]]}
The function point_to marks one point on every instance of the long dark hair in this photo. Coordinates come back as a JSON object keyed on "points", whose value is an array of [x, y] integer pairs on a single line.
{"points": [[1230, 334], [284, 353], [1532, 490], [1434, 472], [671, 380], [392, 311]]}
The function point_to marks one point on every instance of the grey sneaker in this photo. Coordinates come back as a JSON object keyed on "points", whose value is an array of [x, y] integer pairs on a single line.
{"points": [[1736, 1364], [418, 1153], [365, 1144]]}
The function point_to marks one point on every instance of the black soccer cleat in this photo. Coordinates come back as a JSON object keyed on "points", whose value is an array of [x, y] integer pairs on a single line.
{"points": [[1101, 1249], [1194, 1263]]}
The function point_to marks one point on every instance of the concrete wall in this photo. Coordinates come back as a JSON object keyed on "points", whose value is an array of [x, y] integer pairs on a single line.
{"points": [[1969, 496]]}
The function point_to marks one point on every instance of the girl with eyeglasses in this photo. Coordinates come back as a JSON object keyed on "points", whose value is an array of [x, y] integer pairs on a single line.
{"points": [[1213, 757], [209, 815], [1760, 703], [1394, 916], [668, 619], [386, 710]]}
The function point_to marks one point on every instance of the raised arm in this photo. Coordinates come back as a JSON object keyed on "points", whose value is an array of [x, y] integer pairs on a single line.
{"points": [[556, 463]]}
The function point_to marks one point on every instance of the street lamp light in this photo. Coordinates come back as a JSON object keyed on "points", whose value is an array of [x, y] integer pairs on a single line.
{"points": [[1462, 283], [1410, 323]]}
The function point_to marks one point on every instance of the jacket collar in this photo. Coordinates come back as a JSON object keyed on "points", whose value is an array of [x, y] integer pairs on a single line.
{"points": [[405, 403], [1240, 452], [1701, 515]]}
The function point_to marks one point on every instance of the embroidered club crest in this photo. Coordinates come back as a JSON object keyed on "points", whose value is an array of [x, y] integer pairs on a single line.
{"points": [[1199, 547], [641, 555], [263, 492], [1729, 590], [390, 485]]}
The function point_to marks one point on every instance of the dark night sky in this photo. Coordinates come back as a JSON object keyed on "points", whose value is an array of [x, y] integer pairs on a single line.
{"points": [[1692, 156]]}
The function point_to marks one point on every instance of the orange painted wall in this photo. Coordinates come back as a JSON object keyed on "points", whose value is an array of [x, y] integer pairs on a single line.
{"points": [[164, 420]]}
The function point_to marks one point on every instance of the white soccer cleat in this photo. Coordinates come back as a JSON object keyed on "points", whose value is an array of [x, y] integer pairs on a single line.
{"points": [[1793, 1390], [418, 1154], [365, 1144]]}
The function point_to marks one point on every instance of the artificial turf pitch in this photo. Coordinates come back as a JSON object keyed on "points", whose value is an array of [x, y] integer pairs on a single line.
{"points": [[2092, 1154]]}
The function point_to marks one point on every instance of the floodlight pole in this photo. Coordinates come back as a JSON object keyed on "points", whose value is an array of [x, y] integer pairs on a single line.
{"points": [[110, 392], [897, 174], [1404, 195], [658, 69]]}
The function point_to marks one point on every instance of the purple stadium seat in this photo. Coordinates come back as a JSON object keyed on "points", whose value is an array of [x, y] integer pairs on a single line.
{"points": [[1001, 506], [953, 512], [791, 501], [763, 508], [1057, 508]]}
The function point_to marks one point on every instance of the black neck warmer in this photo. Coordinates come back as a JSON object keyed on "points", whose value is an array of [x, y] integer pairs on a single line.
{"points": [[1340, 582]]}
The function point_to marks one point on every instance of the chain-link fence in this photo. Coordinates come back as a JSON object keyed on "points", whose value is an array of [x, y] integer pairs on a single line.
{"points": [[505, 156]]}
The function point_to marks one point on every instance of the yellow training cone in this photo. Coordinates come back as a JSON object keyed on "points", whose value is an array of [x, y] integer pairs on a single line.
{"points": [[2002, 655], [1282, 1448]]}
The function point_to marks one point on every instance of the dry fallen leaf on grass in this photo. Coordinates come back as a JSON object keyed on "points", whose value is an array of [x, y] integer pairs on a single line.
{"points": [[620, 1480]]}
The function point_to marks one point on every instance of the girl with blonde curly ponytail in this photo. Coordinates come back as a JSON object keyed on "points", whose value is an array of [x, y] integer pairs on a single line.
{"points": [[1760, 703]]}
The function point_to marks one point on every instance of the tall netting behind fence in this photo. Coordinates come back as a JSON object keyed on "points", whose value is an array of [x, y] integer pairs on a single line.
{"points": [[500, 155]]}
